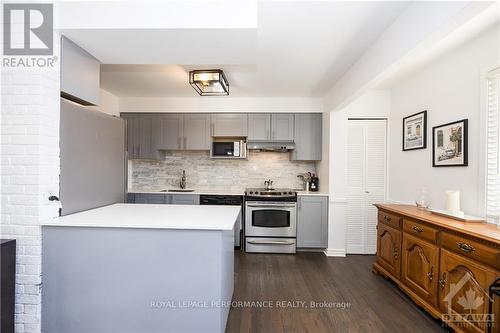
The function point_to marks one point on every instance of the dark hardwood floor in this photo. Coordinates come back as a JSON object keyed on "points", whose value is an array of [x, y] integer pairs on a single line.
{"points": [[376, 305]]}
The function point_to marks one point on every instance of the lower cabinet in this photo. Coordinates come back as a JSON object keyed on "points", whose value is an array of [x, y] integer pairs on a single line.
{"points": [[420, 264], [146, 198], [184, 199], [389, 249], [446, 268], [312, 221], [158, 198], [463, 290]]}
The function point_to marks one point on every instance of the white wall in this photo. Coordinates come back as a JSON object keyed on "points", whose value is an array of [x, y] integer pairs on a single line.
{"points": [[449, 89], [373, 104], [421, 26], [108, 103], [221, 104], [323, 166]]}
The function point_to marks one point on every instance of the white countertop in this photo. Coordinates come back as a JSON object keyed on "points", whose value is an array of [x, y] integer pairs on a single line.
{"points": [[153, 217], [319, 193], [218, 192], [196, 191]]}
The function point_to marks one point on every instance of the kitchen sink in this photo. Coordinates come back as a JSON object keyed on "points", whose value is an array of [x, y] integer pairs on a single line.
{"points": [[179, 190]]}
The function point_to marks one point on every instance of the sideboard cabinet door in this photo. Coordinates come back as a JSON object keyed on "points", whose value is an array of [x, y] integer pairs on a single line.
{"points": [[389, 249], [463, 290], [420, 267]]}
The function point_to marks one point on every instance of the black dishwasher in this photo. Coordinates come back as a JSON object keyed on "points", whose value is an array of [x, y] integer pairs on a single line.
{"points": [[226, 200]]}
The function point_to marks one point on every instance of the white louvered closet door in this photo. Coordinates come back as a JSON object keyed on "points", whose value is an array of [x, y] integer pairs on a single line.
{"points": [[366, 182]]}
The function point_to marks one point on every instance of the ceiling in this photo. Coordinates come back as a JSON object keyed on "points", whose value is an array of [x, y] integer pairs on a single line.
{"points": [[298, 49]]}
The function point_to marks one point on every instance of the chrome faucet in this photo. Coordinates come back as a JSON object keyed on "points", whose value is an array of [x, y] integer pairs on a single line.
{"points": [[183, 180]]}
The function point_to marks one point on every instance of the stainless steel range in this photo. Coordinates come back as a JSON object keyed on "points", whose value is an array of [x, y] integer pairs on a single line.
{"points": [[271, 220]]}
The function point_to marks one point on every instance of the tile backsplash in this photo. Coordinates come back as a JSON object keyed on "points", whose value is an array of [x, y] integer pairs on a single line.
{"points": [[206, 173]]}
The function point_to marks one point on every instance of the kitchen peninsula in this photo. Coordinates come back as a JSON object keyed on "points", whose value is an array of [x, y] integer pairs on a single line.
{"points": [[163, 268]]}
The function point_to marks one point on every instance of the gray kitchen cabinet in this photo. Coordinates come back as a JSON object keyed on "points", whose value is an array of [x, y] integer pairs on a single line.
{"points": [[259, 126], [169, 132], [282, 126], [308, 137], [312, 221], [141, 143], [184, 199], [80, 73], [196, 132], [229, 124], [183, 131], [147, 198]]}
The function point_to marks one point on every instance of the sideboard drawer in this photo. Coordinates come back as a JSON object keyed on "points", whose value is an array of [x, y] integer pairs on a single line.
{"points": [[472, 249], [420, 230], [389, 219]]}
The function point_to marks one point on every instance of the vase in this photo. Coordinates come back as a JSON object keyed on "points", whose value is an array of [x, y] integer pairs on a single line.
{"points": [[423, 200]]}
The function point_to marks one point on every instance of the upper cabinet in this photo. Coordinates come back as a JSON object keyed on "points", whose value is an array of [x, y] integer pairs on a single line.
{"points": [[308, 137], [148, 134], [282, 126], [183, 132], [259, 127], [196, 132], [80, 73], [271, 127], [169, 132], [229, 124], [141, 143]]}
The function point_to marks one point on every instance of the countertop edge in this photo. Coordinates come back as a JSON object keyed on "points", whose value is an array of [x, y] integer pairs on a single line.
{"points": [[220, 192], [461, 227]]}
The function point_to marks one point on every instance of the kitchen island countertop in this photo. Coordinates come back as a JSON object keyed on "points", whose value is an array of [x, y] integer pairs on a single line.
{"points": [[152, 217]]}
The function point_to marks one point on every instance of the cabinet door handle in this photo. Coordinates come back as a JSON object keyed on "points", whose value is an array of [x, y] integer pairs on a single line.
{"points": [[267, 134], [466, 247], [442, 281], [430, 275], [417, 229], [395, 254]]}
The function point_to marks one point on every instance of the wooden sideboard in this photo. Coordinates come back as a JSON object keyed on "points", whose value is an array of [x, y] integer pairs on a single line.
{"points": [[444, 265]]}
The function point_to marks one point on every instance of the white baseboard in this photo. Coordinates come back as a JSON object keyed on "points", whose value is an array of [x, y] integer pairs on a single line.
{"points": [[334, 252]]}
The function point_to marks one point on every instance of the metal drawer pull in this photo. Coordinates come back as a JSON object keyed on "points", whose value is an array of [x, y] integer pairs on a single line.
{"points": [[430, 275], [387, 219], [270, 242], [417, 229], [395, 254], [442, 281], [466, 247]]}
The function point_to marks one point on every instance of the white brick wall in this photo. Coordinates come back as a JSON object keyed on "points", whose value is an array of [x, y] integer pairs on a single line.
{"points": [[29, 169]]}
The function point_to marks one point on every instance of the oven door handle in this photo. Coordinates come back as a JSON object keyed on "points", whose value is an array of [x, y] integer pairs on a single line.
{"points": [[272, 206], [275, 242]]}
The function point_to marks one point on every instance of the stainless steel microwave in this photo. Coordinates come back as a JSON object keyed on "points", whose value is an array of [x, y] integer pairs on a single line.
{"points": [[228, 149]]}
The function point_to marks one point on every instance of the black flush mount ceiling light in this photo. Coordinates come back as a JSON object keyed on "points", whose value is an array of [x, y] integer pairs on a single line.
{"points": [[209, 82]]}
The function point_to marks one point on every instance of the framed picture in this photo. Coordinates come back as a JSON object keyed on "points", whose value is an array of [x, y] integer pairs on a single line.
{"points": [[449, 144], [415, 131]]}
